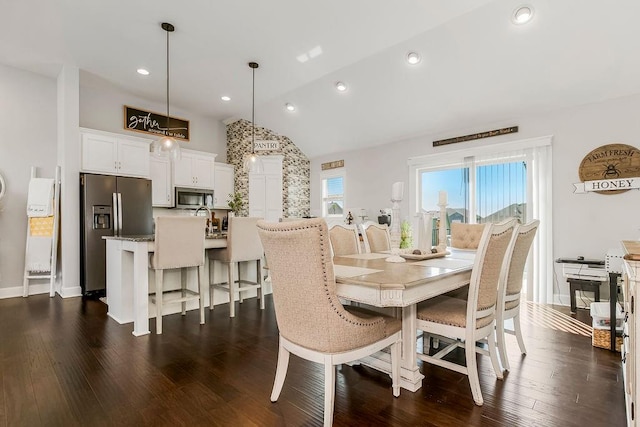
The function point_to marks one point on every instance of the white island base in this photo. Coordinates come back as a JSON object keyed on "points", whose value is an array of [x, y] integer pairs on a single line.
{"points": [[128, 280]]}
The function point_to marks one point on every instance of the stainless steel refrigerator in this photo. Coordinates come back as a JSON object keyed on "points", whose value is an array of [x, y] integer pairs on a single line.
{"points": [[109, 206]]}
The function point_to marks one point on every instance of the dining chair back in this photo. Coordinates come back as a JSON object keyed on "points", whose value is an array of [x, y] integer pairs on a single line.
{"points": [[311, 321], [345, 239], [179, 243], [376, 237], [466, 236], [509, 292], [243, 245], [467, 322]]}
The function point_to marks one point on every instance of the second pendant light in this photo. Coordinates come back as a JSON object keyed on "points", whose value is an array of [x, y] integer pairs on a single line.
{"points": [[252, 162]]}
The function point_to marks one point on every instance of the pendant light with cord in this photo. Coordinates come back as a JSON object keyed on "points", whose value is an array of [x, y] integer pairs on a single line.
{"points": [[252, 162], [166, 145]]}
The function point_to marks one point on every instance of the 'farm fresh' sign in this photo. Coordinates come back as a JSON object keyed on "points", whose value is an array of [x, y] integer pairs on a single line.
{"points": [[609, 169]]}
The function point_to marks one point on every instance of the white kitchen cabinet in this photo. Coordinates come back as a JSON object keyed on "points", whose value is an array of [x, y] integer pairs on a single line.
{"points": [[161, 187], [265, 190], [223, 180], [114, 154], [194, 170]]}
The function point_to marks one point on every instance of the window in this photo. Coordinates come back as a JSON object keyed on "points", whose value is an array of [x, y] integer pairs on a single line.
{"points": [[478, 192], [333, 195]]}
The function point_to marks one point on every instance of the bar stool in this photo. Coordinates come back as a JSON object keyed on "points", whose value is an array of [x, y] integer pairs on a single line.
{"points": [[243, 245], [179, 243]]}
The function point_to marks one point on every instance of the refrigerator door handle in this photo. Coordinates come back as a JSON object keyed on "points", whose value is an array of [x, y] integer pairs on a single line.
{"points": [[119, 214], [116, 214]]}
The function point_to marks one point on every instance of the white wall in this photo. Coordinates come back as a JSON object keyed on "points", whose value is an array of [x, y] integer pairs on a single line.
{"points": [[583, 224], [29, 138], [102, 108]]}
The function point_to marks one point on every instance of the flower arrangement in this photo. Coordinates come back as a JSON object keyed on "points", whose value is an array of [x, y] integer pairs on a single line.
{"points": [[235, 202], [406, 239]]}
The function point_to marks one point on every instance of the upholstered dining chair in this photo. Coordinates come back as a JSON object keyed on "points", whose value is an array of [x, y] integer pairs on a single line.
{"points": [[311, 321], [466, 236], [467, 322], [376, 237], [179, 243], [509, 291], [345, 239], [243, 245]]}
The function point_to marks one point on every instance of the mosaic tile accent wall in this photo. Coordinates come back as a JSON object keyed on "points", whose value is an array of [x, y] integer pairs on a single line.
{"points": [[295, 167]]}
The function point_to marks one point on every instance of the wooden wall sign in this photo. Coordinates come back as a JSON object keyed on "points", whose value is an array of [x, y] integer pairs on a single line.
{"points": [[333, 165], [264, 145], [473, 136], [155, 123], [609, 169]]}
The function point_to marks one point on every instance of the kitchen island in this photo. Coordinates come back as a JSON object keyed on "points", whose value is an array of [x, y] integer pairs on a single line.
{"points": [[128, 277]]}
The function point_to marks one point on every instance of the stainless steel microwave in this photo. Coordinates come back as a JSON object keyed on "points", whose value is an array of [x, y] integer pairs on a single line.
{"points": [[192, 198]]}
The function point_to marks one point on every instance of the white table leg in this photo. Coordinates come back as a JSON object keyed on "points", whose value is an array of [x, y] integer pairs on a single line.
{"points": [[410, 376]]}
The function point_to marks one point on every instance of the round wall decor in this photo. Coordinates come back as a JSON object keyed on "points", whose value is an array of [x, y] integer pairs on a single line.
{"points": [[610, 162]]}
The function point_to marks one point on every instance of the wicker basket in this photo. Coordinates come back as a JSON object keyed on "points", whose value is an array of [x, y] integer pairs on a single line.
{"points": [[602, 338]]}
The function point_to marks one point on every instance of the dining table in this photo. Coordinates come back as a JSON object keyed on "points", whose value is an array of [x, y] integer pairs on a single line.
{"points": [[368, 278]]}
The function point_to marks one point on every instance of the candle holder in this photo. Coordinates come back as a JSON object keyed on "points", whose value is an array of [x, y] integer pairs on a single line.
{"points": [[442, 230], [394, 230]]}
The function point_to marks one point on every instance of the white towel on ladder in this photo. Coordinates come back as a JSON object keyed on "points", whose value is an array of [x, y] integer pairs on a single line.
{"points": [[39, 254], [40, 198]]}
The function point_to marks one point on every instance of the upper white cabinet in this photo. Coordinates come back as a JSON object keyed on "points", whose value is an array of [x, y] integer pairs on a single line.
{"points": [[114, 154], [223, 185], [161, 188], [194, 170]]}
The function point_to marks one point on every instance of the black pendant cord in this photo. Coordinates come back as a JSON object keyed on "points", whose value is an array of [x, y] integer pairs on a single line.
{"points": [[253, 66], [253, 110], [168, 119], [169, 28]]}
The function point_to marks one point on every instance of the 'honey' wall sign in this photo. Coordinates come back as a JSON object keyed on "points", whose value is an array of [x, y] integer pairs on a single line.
{"points": [[610, 169]]}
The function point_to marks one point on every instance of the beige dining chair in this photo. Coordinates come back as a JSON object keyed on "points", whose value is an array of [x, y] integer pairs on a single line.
{"points": [[376, 237], [509, 291], [466, 236], [312, 323], [243, 245], [345, 239], [179, 243], [467, 322]]}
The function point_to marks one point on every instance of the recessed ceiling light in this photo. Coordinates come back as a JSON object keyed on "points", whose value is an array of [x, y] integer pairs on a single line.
{"points": [[290, 107], [413, 58], [143, 71], [225, 98], [341, 87], [522, 15]]}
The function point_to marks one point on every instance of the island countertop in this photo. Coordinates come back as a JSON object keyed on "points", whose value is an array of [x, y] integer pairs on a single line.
{"points": [[210, 242]]}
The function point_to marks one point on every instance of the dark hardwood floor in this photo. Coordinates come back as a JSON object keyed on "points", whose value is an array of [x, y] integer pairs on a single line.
{"points": [[65, 363]]}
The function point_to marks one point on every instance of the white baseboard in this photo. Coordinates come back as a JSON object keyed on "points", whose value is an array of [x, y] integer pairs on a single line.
{"points": [[16, 291], [75, 291]]}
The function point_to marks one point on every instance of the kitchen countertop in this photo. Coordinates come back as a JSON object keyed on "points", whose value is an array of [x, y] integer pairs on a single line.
{"points": [[210, 242], [150, 237]]}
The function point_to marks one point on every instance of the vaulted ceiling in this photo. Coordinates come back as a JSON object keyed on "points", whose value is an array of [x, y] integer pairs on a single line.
{"points": [[477, 65]]}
